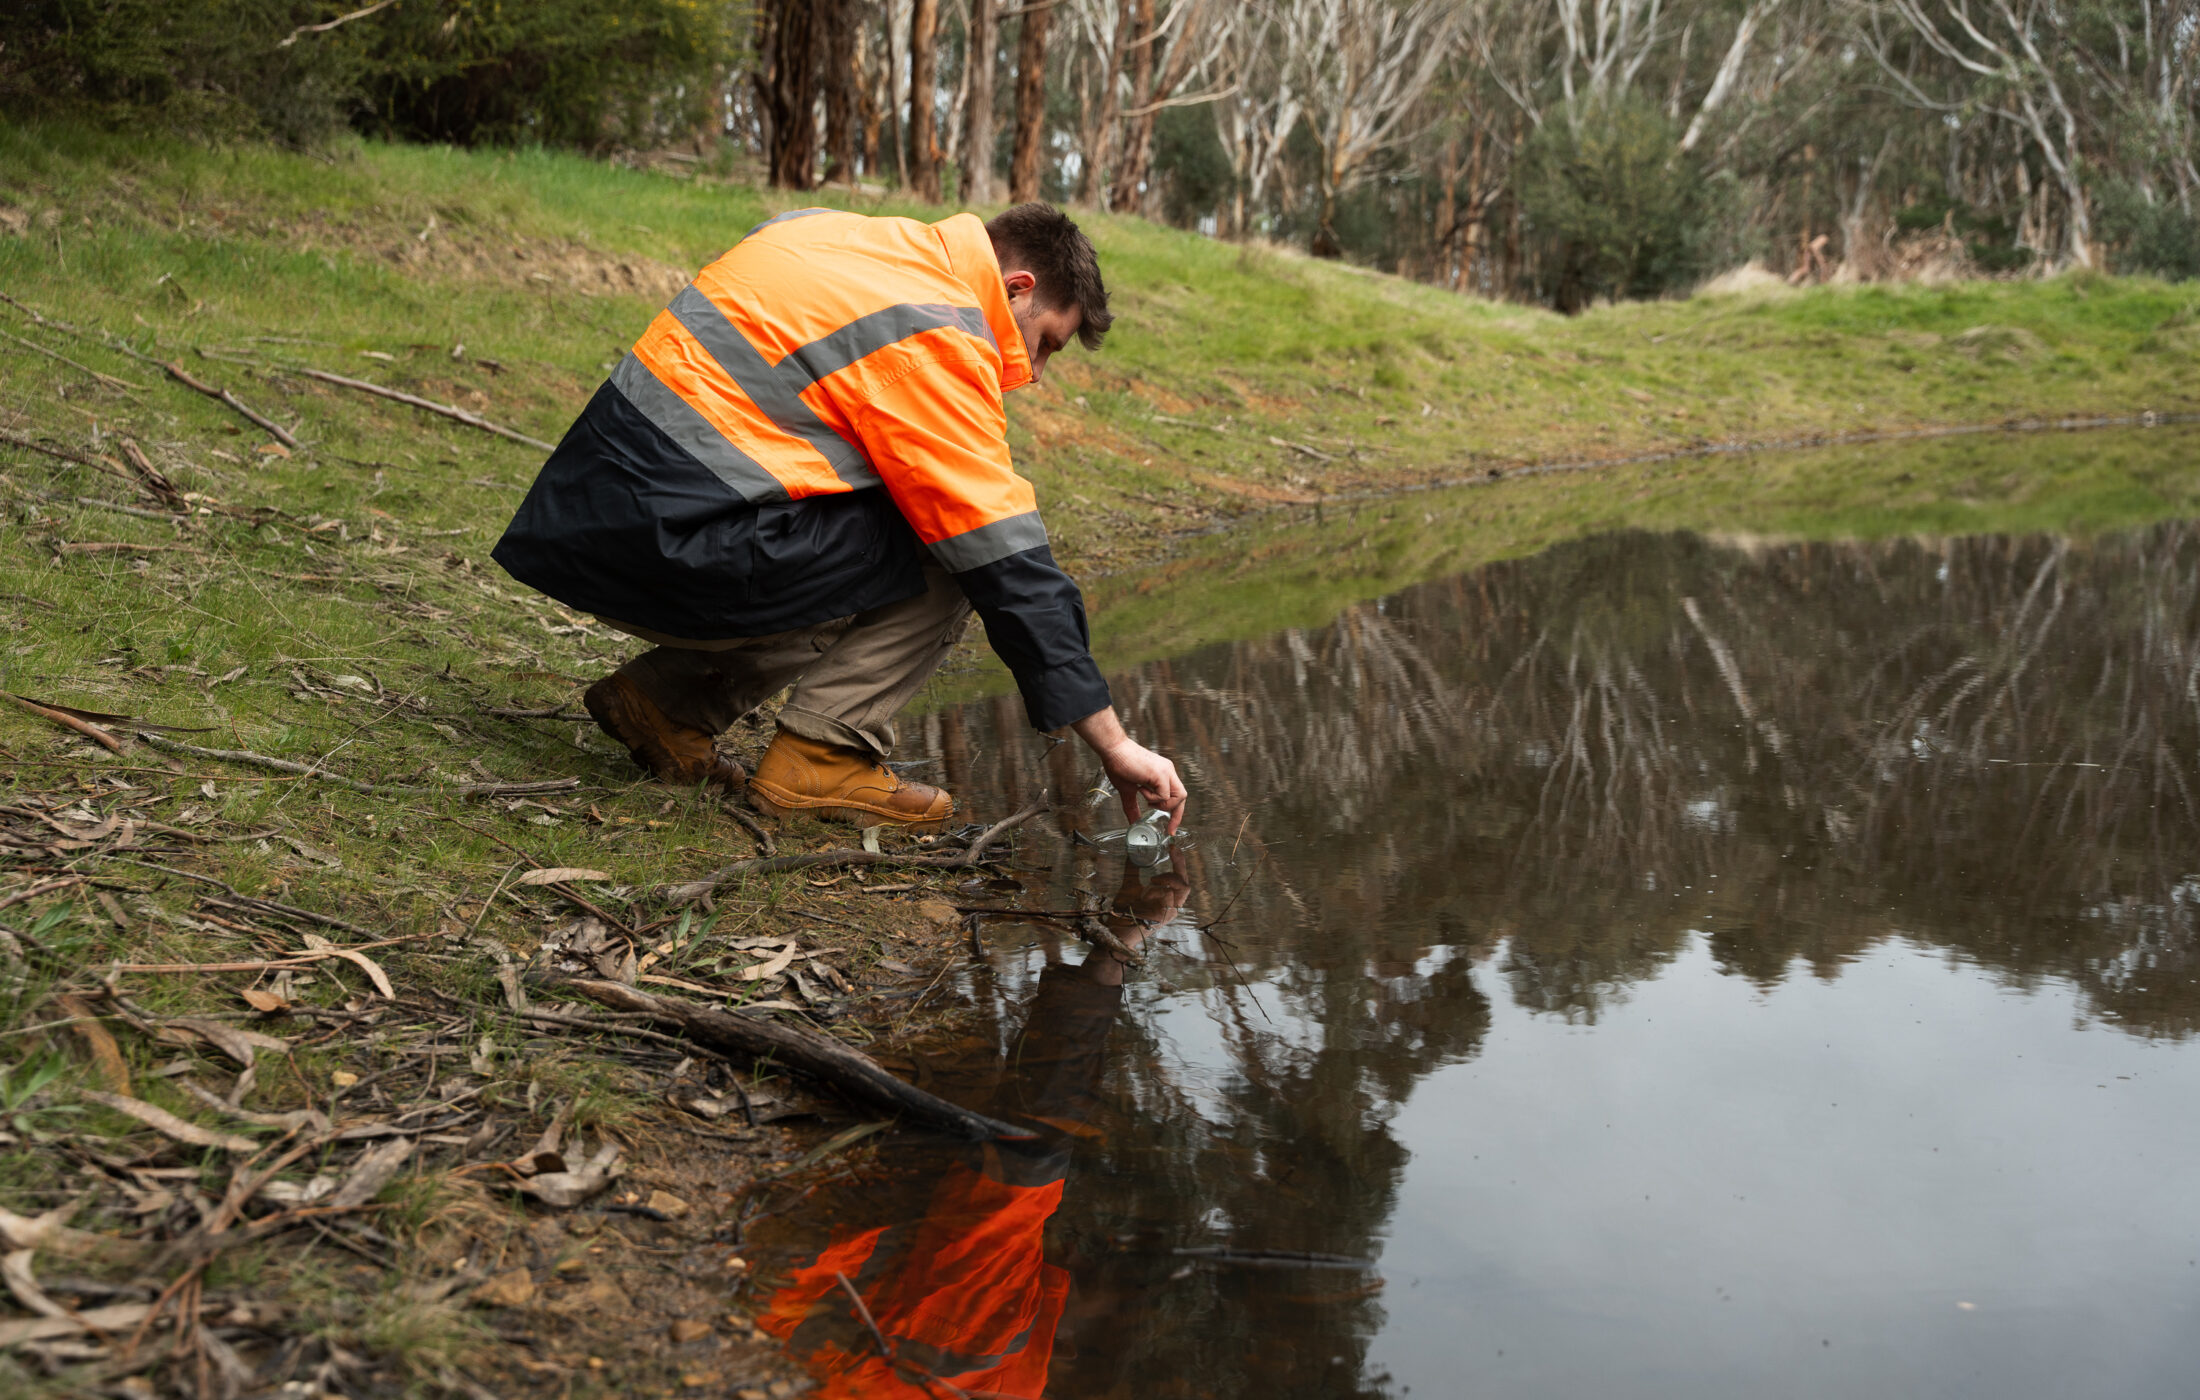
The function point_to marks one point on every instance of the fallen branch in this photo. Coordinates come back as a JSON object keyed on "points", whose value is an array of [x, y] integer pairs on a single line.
{"points": [[153, 479], [62, 454], [1316, 453], [67, 721], [450, 411], [694, 890], [306, 959], [139, 511], [248, 904], [168, 1125], [73, 364], [182, 376], [819, 1056], [557, 711], [755, 828], [112, 1318], [124, 547], [307, 770]]}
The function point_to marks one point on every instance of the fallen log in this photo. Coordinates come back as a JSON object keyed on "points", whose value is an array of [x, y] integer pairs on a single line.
{"points": [[806, 1052]]}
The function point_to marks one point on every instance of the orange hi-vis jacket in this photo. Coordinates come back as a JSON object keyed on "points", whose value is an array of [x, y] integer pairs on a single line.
{"points": [[814, 417]]}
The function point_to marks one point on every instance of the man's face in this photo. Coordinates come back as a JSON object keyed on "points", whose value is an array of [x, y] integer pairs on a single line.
{"points": [[1046, 329]]}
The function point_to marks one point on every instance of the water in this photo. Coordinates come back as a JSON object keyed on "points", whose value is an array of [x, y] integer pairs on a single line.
{"points": [[1675, 967]]}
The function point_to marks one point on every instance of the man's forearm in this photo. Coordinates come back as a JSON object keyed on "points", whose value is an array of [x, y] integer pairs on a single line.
{"points": [[1101, 731]]}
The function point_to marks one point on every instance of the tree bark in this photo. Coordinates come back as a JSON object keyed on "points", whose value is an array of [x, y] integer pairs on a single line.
{"points": [[924, 145], [977, 177], [1031, 104], [870, 112], [1097, 128], [1326, 243], [835, 22], [1126, 188], [897, 127], [786, 91]]}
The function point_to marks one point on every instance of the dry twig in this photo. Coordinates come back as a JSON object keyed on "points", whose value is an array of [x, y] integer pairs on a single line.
{"points": [[307, 770], [177, 372], [73, 364], [450, 411]]}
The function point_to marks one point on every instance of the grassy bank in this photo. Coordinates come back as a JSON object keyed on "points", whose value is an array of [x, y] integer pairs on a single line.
{"points": [[1299, 566], [1239, 377], [333, 606]]}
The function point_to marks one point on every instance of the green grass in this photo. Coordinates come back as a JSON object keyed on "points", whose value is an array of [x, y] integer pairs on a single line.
{"points": [[1301, 567]]}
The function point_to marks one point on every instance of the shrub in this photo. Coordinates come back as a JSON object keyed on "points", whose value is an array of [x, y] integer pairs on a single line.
{"points": [[1615, 207], [2148, 235], [210, 67], [584, 73]]}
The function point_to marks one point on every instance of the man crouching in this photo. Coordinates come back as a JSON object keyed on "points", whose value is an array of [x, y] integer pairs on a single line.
{"points": [[800, 475]]}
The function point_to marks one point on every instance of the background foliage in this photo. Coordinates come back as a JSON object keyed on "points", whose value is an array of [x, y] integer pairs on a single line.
{"points": [[1558, 151]]}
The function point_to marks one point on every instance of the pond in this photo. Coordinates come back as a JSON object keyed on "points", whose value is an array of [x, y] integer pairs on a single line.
{"points": [[1665, 965]]}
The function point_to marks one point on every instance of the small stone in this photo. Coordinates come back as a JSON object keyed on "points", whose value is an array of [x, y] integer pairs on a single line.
{"points": [[690, 1329], [665, 1203], [514, 1288], [600, 1299]]}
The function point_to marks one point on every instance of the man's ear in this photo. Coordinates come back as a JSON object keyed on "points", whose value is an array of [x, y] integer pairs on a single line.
{"points": [[1019, 282]]}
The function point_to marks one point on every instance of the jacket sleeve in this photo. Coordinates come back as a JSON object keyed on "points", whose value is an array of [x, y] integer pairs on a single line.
{"points": [[938, 438]]}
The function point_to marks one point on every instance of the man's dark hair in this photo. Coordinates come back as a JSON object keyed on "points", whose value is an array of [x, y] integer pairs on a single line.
{"points": [[1041, 240]]}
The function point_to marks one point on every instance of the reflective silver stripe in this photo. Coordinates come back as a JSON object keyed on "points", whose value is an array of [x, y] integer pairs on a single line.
{"points": [[780, 397], [987, 543], [866, 335], [678, 420], [790, 214]]}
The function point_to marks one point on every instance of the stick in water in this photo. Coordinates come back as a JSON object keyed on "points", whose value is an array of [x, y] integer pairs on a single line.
{"points": [[819, 1056]]}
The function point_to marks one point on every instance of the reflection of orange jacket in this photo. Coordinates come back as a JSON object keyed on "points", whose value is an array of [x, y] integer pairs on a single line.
{"points": [[966, 1295]]}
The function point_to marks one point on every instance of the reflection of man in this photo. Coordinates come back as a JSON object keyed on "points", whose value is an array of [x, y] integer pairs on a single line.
{"points": [[800, 476], [966, 1295]]}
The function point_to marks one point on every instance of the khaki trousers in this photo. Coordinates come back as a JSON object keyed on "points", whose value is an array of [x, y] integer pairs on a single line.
{"points": [[851, 676]]}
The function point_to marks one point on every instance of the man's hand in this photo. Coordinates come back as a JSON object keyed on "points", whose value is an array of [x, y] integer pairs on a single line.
{"points": [[1136, 770]]}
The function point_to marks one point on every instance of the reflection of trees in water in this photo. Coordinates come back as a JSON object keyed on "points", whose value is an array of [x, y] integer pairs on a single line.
{"points": [[1988, 744]]}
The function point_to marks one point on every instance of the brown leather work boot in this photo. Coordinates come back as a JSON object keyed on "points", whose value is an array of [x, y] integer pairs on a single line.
{"points": [[673, 752], [798, 775]]}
